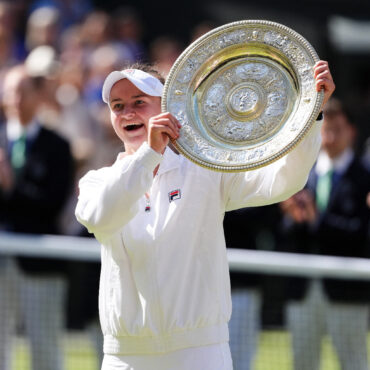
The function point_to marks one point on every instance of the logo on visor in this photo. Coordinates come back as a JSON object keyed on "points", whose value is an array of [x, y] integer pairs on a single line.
{"points": [[174, 194]]}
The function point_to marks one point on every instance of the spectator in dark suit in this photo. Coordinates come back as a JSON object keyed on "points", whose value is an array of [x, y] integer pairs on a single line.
{"points": [[247, 228], [330, 217], [35, 177], [244, 325]]}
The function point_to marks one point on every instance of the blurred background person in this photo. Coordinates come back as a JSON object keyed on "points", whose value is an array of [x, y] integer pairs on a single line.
{"points": [[101, 59], [330, 217], [43, 28], [96, 30], [128, 33], [201, 29], [10, 45], [245, 323], [8, 41], [366, 154], [251, 229], [70, 11], [35, 178], [163, 52]]}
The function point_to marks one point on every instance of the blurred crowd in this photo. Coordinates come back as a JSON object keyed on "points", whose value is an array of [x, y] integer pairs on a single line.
{"points": [[64, 50], [54, 127], [74, 46]]}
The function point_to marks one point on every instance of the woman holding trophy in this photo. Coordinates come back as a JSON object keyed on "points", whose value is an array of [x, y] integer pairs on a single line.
{"points": [[164, 296]]}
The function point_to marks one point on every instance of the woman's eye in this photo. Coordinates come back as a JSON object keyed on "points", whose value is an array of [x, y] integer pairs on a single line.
{"points": [[139, 102], [117, 106]]}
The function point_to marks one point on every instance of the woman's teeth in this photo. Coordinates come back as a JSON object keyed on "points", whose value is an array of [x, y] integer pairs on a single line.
{"points": [[134, 126]]}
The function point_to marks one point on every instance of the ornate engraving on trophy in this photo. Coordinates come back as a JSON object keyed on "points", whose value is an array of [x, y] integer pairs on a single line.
{"points": [[243, 93], [243, 100], [255, 93]]}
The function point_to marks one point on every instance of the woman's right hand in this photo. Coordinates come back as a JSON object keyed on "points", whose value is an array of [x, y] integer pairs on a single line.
{"points": [[162, 128]]}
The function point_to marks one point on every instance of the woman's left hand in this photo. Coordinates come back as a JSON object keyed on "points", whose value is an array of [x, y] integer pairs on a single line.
{"points": [[324, 80]]}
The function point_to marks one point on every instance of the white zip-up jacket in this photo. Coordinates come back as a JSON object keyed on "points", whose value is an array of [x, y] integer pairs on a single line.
{"points": [[164, 280]]}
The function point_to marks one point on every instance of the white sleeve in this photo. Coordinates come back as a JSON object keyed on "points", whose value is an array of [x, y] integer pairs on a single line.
{"points": [[277, 181], [108, 197]]}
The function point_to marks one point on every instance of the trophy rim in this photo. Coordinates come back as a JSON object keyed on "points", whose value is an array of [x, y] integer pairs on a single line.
{"points": [[211, 34]]}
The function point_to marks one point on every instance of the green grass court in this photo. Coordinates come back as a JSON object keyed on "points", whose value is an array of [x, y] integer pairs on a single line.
{"points": [[79, 353], [273, 354]]}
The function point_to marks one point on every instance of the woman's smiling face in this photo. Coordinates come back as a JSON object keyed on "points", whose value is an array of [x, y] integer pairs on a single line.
{"points": [[131, 110]]}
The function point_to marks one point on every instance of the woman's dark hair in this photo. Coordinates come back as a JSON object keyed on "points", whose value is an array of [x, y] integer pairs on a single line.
{"points": [[146, 67]]}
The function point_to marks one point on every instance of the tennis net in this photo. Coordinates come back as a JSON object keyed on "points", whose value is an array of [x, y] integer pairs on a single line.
{"points": [[273, 330]]}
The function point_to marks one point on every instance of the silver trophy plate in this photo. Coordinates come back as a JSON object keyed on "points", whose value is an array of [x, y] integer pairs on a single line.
{"points": [[245, 95]]}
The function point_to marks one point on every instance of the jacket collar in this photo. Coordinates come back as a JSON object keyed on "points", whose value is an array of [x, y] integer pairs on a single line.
{"points": [[171, 161]]}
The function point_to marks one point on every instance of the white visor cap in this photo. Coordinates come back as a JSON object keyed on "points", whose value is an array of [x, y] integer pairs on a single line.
{"points": [[145, 82]]}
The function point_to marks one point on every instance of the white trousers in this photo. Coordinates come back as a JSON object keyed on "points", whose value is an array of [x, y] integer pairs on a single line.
{"points": [[39, 301], [213, 357], [244, 326], [346, 324]]}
